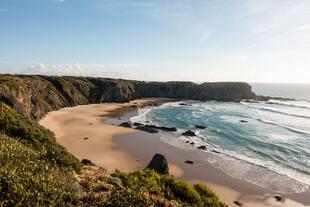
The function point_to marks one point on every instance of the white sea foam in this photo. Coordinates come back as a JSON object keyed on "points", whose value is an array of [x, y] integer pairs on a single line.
{"points": [[240, 164]]}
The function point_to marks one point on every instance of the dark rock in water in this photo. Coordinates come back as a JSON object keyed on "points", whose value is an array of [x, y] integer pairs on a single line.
{"points": [[278, 198], [170, 129], [189, 162], [159, 164], [216, 151], [202, 147], [125, 124], [153, 128], [200, 127], [87, 162], [243, 121], [133, 106], [137, 124], [85, 138], [189, 133], [183, 104], [192, 143], [187, 141], [147, 129], [238, 203]]}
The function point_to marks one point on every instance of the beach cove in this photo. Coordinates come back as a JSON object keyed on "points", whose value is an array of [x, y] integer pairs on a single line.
{"points": [[83, 132]]}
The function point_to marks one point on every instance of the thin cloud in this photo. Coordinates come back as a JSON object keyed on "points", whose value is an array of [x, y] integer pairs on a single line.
{"points": [[59, 1], [3, 10]]}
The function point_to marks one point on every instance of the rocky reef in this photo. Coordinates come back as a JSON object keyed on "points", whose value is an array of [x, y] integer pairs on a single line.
{"points": [[35, 95]]}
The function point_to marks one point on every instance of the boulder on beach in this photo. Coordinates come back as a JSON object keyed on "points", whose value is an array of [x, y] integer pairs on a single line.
{"points": [[189, 133], [200, 127], [159, 164], [278, 198]]}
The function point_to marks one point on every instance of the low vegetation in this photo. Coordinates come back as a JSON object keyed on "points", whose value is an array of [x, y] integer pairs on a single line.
{"points": [[36, 171], [153, 187]]}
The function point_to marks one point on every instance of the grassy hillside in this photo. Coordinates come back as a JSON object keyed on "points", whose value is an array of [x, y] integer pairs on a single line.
{"points": [[36, 171]]}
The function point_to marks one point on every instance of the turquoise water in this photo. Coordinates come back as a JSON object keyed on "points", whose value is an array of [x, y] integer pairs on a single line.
{"points": [[274, 144]]}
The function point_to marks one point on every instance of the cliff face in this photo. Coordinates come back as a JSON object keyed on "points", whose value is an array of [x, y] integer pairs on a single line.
{"points": [[36, 95]]}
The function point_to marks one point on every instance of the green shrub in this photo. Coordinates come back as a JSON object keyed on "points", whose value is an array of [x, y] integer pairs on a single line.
{"points": [[28, 180], [32, 134], [128, 198], [169, 188]]}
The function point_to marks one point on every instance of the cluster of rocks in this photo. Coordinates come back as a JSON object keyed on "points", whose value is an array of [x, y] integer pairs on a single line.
{"points": [[150, 128]]}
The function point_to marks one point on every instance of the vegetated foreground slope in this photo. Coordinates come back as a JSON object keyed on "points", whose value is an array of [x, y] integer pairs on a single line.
{"points": [[36, 171], [36, 95]]}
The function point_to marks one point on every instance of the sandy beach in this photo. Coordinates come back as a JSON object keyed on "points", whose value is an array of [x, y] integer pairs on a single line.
{"points": [[83, 131]]}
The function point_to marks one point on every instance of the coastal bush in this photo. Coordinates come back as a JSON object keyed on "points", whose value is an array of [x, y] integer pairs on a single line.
{"points": [[169, 187], [36, 171], [32, 134], [28, 180]]}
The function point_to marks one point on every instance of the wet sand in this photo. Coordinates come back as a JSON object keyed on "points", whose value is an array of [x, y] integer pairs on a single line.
{"points": [[83, 132]]}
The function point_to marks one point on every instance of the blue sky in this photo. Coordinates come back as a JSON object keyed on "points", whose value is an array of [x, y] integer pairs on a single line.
{"points": [[197, 40]]}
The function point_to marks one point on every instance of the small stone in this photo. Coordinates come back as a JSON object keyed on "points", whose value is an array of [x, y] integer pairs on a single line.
{"points": [[202, 147], [278, 198], [189, 162], [87, 162], [238, 203], [85, 138]]}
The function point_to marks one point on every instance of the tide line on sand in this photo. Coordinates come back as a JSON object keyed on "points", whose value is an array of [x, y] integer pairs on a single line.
{"points": [[82, 131]]}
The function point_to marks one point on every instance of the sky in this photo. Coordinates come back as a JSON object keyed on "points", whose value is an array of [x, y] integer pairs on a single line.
{"points": [[160, 40]]}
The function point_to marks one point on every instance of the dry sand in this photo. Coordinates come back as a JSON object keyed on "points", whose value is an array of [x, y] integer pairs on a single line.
{"points": [[82, 131]]}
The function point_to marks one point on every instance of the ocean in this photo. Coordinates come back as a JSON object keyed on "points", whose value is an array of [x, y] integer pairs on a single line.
{"points": [[264, 143]]}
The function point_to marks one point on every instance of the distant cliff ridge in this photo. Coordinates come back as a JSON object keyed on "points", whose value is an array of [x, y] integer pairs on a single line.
{"points": [[36, 95]]}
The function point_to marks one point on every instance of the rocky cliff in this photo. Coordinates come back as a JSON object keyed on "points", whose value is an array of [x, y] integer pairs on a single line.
{"points": [[36, 95]]}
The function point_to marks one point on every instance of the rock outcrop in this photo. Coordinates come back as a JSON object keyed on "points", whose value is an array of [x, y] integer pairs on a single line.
{"points": [[159, 164], [35, 95], [189, 133]]}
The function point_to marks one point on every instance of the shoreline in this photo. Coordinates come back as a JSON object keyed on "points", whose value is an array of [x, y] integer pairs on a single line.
{"points": [[83, 132]]}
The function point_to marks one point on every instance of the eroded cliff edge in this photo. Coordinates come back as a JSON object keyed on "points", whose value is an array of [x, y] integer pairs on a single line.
{"points": [[35, 95]]}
